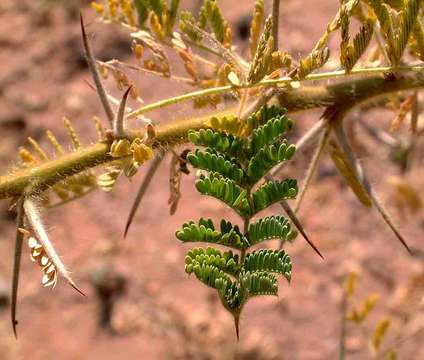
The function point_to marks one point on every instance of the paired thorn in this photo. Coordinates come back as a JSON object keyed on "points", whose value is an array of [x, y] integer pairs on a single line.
{"points": [[91, 61], [143, 188], [344, 144], [118, 121]]}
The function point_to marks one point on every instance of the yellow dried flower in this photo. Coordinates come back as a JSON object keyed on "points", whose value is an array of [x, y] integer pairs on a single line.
{"points": [[120, 148], [141, 152]]}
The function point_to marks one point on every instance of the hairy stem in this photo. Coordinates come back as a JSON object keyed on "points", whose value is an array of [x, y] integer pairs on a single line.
{"points": [[348, 93]]}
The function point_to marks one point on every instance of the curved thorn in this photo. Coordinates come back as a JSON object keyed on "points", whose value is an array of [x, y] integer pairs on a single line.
{"points": [[344, 144], [118, 121]]}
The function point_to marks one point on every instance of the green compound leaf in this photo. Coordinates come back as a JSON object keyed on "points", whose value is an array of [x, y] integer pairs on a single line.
{"points": [[210, 257], [272, 192], [271, 227], [259, 283], [262, 116], [230, 294], [271, 131], [227, 144], [205, 232], [211, 161], [268, 157], [209, 274], [274, 261], [225, 190]]}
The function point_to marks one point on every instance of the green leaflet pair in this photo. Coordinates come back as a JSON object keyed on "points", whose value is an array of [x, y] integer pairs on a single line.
{"points": [[231, 168]]}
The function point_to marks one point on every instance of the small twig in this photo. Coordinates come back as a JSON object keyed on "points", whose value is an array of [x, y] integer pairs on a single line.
{"points": [[312, 167], [17, 261], [143, 188], [275, 22], [91, 61], [118, 121]]}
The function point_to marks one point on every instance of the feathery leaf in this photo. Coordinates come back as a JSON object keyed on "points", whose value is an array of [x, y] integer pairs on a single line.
{"points": [[225, 190], [205, 231], [268, 228], [272, 192], [274, 261]]}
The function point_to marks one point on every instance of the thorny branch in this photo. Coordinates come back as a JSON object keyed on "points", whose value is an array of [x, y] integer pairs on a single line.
{"points": [[348, 93]]}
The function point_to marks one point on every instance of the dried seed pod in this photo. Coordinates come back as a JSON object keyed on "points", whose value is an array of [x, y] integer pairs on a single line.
{"points": [[40, 256]]}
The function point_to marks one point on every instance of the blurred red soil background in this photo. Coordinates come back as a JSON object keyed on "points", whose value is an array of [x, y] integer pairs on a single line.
{"points": [[159, 312]]}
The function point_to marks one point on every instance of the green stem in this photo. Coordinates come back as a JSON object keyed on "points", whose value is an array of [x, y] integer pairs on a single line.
{"points": [[267, 83]]}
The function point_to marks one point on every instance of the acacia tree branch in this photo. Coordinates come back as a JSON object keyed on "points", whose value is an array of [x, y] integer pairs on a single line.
{"points": [[348, 93]]}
